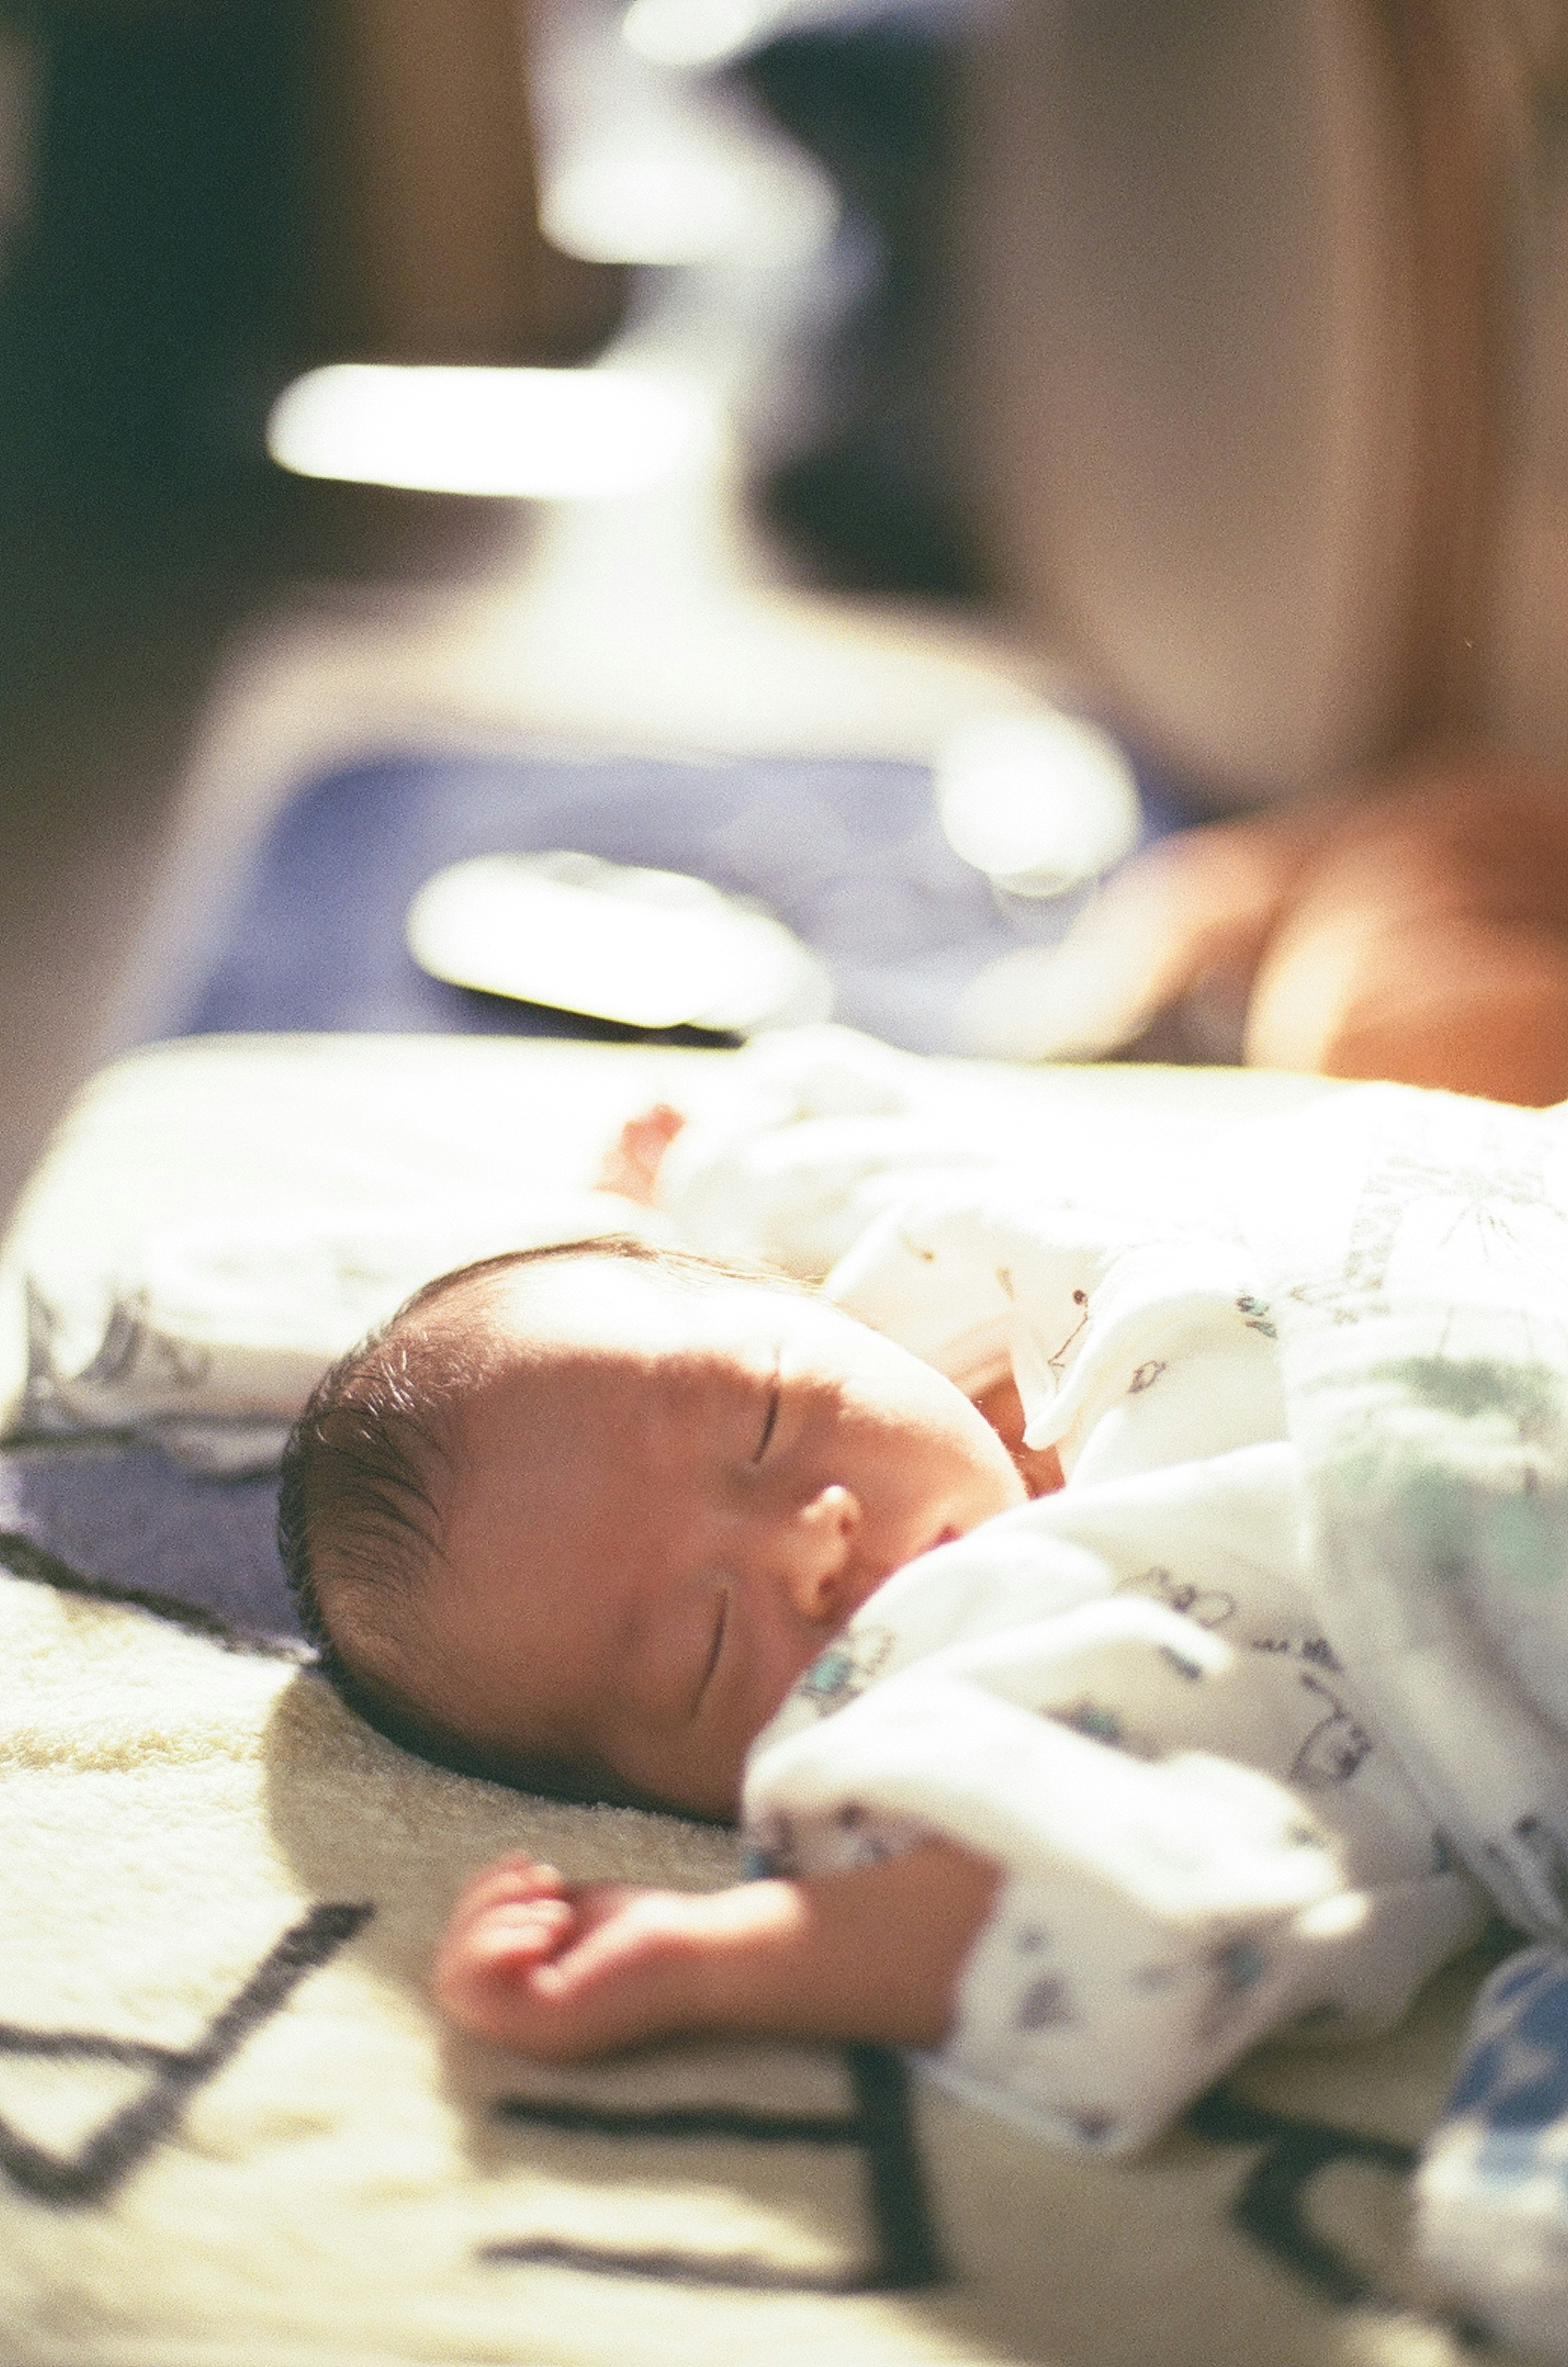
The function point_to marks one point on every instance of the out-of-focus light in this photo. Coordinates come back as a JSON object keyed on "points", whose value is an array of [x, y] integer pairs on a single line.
{"points": [[529, 434], [645, 948], [624, 205], [1335, 1918], [1039, 802], [691, 32]]}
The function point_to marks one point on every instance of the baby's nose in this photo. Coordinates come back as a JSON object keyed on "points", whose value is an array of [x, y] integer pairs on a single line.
{"points": [[816, 1553]]}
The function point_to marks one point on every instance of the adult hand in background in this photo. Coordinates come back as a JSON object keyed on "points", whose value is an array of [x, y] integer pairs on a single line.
{"points": [[1414, 926]]}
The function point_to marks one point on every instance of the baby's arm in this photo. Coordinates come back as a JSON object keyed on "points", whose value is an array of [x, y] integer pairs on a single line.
{"points": [[561, 1970]]}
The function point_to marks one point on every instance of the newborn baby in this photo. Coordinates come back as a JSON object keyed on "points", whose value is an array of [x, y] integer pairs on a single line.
{"points": [[1065, 1782], [581, 1518]]}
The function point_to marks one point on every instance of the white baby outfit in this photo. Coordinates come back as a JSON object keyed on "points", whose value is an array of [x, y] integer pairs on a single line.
{"points": [[1207, 1809], [1121, 1693]]}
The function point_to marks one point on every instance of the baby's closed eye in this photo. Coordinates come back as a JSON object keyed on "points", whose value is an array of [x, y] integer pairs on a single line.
{"points": [[770, 1418], [715, 1647]]}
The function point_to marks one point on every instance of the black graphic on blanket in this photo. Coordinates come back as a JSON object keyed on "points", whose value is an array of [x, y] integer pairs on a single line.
{"points": [[1270, 2203], [904, 2256], [123, 2142], [20, 1557]]}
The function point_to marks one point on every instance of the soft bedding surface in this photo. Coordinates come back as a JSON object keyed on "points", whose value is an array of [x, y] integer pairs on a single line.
{"points": [[229, 2130]]}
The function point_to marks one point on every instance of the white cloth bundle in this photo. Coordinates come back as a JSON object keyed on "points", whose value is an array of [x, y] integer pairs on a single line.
{"points": [[209, 1338]]}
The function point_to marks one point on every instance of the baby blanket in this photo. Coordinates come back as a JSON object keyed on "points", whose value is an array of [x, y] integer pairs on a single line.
{"points": [[232, 2134], [1412, 1249]]}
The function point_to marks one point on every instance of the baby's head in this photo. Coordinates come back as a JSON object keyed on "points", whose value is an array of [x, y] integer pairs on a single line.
{"points": [[580, 1517]]}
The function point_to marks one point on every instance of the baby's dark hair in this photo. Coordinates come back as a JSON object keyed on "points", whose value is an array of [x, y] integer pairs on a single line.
{"points": [[364, 1471]]}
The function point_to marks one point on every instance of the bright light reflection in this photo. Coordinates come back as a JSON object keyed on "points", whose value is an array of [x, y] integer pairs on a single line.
{"points": [[530, 434], [1336, 1917], [1039, 802], [690, 32], [623, 206]]}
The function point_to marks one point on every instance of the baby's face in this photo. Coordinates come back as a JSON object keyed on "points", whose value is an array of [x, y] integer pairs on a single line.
{"points": [[662, 1508]]}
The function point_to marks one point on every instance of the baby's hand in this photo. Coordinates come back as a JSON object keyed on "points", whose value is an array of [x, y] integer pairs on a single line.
{"points": [[631, 1165], [562, 1969]]}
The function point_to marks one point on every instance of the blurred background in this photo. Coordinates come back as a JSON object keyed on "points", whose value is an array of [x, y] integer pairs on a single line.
{"points": [[887, 460]]}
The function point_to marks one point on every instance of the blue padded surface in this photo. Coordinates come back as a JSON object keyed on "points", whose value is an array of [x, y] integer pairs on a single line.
{"points": [[848, 852], [128, 1516]]}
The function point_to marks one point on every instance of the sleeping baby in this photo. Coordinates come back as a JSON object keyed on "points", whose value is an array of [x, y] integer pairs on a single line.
{"points": [[1066, 1785]]}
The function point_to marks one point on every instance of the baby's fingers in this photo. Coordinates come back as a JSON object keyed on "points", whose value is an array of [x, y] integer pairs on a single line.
{"points": [[515, 1881], [488, 1957], [510, 1938], [631, 1165]]}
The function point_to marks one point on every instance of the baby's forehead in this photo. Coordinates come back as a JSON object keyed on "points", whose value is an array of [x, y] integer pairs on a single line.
{"points": [[615, 1308], [592, 1383]]}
